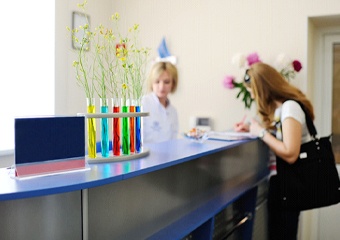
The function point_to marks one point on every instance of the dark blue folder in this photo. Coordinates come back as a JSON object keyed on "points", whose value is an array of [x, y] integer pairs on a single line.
{"points": [[39, 139]]}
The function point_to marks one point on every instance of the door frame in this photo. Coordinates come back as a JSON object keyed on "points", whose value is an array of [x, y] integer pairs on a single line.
{"points": [[323, 81], [321, 36], [323, 96]]}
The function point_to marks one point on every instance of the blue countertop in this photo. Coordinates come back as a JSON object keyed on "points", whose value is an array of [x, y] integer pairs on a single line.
{"points": [[162, 155]]}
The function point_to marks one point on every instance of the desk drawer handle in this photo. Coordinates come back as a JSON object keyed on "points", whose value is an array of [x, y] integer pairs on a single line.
{"points": [[246, 218]]}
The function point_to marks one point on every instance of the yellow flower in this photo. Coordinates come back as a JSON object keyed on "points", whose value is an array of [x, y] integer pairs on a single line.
{"points": [[82, 5], [134, 28], [115, 16], [75, 63], [124, 86]]}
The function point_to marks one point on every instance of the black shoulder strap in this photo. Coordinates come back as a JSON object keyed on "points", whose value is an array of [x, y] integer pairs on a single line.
{"points": [[309, 121]]}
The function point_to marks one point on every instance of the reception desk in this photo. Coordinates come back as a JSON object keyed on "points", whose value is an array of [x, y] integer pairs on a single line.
{"points": [[175, 192]]}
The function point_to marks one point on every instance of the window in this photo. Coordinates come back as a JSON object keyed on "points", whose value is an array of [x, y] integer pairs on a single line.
{"points": [[27, 56]]}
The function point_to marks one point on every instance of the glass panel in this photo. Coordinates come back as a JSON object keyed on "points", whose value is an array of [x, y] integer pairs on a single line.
{"points": [[27, 64], [336, 101]]}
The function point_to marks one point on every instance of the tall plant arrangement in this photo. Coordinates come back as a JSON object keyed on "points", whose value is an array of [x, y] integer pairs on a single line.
{"points": [[109, 64], [137, 59], [131, 64], [84, 64]]}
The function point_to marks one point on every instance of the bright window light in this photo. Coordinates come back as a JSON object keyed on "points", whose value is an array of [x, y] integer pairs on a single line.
{"points": [[27, 64]]}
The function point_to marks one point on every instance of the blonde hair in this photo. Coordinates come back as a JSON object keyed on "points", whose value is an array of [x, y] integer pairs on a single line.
{"points": [[158, 69], [268, 86]]}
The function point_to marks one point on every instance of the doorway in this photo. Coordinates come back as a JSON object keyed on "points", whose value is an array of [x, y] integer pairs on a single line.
{"points": [[330, 113], [324, 86], [336, 101]]}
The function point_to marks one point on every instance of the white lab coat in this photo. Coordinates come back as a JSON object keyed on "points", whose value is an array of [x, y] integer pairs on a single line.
{"points": [[162, 123]]}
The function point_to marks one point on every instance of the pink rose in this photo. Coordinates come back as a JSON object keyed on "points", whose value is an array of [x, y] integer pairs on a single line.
{"points": [[228, 82], [253, 58], [297, 65]]}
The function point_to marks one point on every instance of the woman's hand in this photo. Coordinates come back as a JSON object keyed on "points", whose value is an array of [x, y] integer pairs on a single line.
{"points": [[241, 127], [255, 128]]}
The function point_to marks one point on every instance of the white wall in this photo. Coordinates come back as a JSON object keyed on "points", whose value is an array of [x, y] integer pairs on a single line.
{"points": [[204, 35]]}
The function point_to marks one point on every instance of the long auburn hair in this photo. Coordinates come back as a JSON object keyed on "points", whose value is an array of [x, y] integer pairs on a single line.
{"points": [[268, 86]]}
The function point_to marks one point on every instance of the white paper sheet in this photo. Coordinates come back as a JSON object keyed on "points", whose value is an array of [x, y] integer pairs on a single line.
{"points": [[230, 136]]}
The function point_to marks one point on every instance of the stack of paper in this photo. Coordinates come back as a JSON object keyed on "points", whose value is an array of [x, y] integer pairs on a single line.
{"points": [[229, 135]]}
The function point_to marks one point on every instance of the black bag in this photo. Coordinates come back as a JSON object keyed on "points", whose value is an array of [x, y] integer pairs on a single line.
{"points": [[313, 180]]}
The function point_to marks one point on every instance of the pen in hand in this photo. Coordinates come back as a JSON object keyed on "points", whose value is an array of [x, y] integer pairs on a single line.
{"points": [[241, 126], [242, 121], [244, 118]]}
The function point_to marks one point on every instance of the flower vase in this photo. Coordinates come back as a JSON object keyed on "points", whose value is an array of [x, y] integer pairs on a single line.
{"points": [[116, 128], [104, 108], [91, 128], [125, 129], [138, 129], [132, 109]]}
